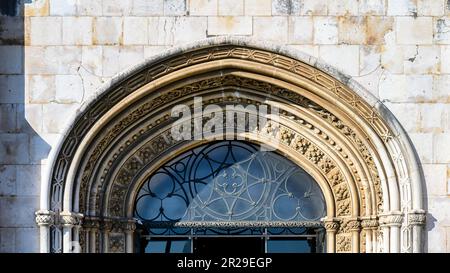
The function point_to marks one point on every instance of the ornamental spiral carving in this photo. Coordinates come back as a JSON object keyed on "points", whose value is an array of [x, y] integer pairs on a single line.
{"points": [[369, 223]]}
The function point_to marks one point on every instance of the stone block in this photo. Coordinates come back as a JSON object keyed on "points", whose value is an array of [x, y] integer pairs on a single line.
{"points": [[18, 211], [441, 142], [313, 7], [63, 7], [352, 30], [107, 31], [14, 149], [28, 180], [8, 118], [408, 114], [393, 87], [301, 30], [135, 31], [343, 8], [377, 28], [273, 29], [69, 89], [150, 51], [11, 30], [412, 31], [39, 150], [325, 30], [7, 240], [435, 236], [41, 88], [401, 7], [307, 49], [175, 7], [231, 7], [203, 7], [56, 123], [369, 59], [91, 82], [58, 60], [435, 179], [258, 7], [89, 8], [12, 59], [435, 117], [392, 55], [27, 240], [130, 56], [420, 88], [117, 8], [430, 8], [286, 7], [422, 59], [77, 30], [372, 7], [8, 180], [343, 57], [46, 30], [423, 143], [161, 30], [147, 7], [441, 88], [36, 8], [12, 88], [442, 31], [189, 29], [91, 59], [110, 61], [435, 208], [230, 25], [29, 118], [445, 59]]}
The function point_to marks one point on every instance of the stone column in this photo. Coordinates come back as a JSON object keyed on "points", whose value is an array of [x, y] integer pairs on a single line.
{"points": [[44, 219], [129, 227], [354, 226], [391, 224], [105, 227], [91, 225], [369, 227], [331, 227], [71, 222], [417, 220]]}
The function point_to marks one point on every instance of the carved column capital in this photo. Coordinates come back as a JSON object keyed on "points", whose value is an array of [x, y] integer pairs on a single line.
{"points": [[90, 223], [129, 226], [44, 217], [354, 225], [106, 225], [394, 219], [331, 225], [417, 218], [369, 224], [70, 219]]}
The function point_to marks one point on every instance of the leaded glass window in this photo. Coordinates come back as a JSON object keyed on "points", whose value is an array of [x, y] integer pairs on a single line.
{"points": [[225, 188]]}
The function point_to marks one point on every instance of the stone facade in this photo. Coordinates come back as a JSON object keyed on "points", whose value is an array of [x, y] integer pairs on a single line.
{"points": [[61, 51]]}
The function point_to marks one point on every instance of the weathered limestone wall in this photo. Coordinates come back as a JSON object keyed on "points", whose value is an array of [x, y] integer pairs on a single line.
{"points": [[64, 49]]}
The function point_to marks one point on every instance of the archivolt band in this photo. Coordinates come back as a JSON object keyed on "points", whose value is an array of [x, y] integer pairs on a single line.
{"points": [[347, 141]]}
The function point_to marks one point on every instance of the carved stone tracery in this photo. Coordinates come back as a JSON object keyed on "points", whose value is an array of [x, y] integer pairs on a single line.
{"points": [[94, 185]]}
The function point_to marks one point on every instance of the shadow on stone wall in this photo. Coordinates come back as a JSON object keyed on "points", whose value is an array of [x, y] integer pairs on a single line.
{"points": [[21, 148]]}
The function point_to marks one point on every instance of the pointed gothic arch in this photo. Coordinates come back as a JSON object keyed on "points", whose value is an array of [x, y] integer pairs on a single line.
{"points": [[330, 126]]}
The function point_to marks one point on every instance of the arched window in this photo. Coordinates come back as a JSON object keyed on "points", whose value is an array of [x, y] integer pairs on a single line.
{"points": [[229, 188]]}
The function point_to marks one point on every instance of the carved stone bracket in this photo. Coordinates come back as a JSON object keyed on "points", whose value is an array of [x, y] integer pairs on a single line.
{"points": [[417, 218], [71, 219], [392, 219], [369, 224], [45, 217]]}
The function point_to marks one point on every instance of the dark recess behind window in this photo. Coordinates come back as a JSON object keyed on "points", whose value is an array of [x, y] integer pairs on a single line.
{"points": [[9, 7]]}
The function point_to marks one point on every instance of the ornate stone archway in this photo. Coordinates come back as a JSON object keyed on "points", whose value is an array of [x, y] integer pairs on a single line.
{"points": [[345, 138]]}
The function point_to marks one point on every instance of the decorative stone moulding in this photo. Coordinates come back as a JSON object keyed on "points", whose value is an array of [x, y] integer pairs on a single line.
{"points": [[345, 138]]}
